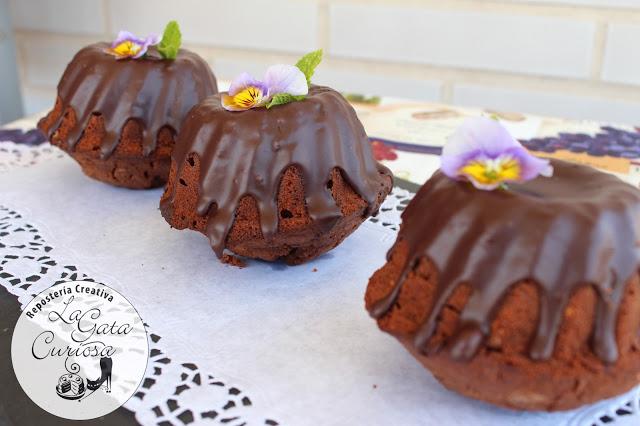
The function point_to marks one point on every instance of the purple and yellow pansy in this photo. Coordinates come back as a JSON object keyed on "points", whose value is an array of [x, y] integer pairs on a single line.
{"points": [[281, 84], [246, 92], [483, 152], [127, 45]]}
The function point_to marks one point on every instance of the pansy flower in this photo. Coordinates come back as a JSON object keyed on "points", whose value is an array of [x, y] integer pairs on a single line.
{"points": [[483, 152], [281, 84], [128, 45], [246, 92]]}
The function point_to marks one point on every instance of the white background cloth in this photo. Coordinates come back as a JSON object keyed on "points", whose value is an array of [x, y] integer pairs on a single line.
{"points": [[298, 343]]}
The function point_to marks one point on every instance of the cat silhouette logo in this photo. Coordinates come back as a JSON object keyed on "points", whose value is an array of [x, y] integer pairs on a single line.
{"points": [[71, 385], [79, 350], [106, 364]]}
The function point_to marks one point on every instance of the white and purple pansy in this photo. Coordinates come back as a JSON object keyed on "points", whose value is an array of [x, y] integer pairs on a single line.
{"points": [[483, 152], [246, 92], [128, 45], [281, 84]]}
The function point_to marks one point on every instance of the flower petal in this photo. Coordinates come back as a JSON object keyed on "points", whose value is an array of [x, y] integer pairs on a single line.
{"points": [[481, 134], [126, 49], [482, 151], [489, 173], [128, 45], [250, 97], [243, 81], [126, 36], [285, 79], [229, 104], [451, 163], [532, 166], [151, 40]]}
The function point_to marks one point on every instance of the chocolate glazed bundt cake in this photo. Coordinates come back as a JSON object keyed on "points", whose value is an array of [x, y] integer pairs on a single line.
{"points": [[118, 118], [527, 298], [289, 183]]}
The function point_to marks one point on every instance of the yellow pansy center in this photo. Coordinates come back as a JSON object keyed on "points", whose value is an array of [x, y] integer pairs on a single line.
{"points": [[248, 98], [126, 49], [491, 171]]}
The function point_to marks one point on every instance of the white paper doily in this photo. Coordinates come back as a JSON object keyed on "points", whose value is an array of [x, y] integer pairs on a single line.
{"points": [[16, 155], [264, 345]]}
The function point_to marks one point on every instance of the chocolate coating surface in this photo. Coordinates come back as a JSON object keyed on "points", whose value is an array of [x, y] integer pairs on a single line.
{"points": [[579, 227], [156, 91], [246, 153]]}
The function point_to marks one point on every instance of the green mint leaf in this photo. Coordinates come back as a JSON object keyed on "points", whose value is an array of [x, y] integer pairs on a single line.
{"points": [[308, 63], [171, 41], [283, 98], [362, 99]]}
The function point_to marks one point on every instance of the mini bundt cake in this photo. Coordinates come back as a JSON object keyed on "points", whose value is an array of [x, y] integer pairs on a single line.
{"points": [[527, 298], [289, 182], [118, 117]]}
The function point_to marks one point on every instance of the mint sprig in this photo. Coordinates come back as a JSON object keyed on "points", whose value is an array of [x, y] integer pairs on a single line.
{"points": [[283, 98], [308, 63], [171, 41]]}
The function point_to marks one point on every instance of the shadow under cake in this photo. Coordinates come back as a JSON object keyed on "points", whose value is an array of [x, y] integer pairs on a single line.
{"points": [[290, 182], [118, 117], [527, 298]]}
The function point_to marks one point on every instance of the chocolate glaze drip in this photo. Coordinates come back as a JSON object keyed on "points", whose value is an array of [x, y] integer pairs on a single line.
{"points": [[246, 153], [155, 91], [579, 227]]}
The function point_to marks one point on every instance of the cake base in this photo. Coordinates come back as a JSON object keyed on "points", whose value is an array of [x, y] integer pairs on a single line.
{"points": [[125, 172], [298, 238], [502, 372], [127, 166]]}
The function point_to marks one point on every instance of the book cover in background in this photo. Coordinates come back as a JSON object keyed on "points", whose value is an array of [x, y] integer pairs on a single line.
{"points": [[408, 136]]}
